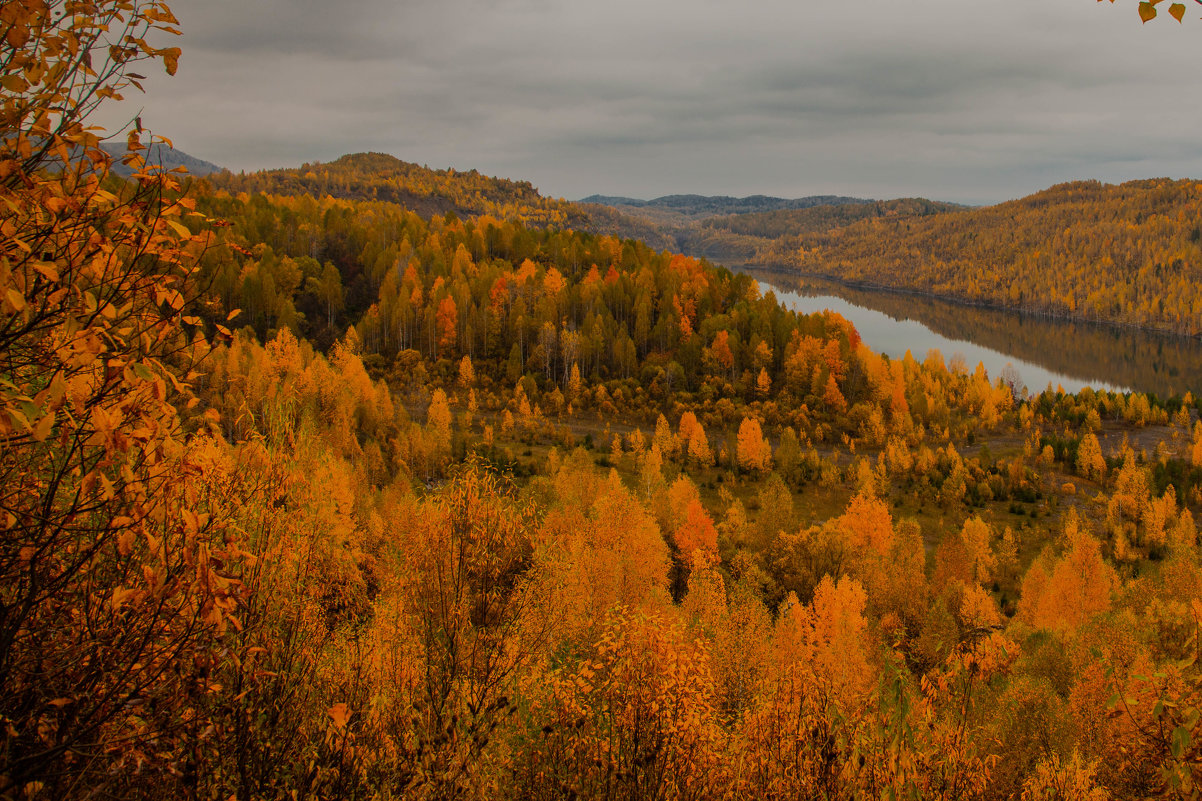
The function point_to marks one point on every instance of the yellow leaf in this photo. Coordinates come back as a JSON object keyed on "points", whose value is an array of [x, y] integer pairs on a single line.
{"points": [[19, 421], [15, 299], [1177, 11], [1147, 11], [125, 543], [180, 229], [43, 428], [120, 596]]}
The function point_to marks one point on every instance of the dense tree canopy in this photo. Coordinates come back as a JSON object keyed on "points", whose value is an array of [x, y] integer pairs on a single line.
{"points": [[471, 505]]}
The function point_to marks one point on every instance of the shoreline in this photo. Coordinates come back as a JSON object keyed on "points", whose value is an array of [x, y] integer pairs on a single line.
{"points": [[785, 269]]}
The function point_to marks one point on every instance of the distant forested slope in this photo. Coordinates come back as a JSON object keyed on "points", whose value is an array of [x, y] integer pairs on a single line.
{"points": [[703, 206], [1127, 254]]}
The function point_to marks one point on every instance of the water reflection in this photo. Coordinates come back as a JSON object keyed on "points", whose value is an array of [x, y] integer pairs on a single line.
{"points": [[1043, 350]]}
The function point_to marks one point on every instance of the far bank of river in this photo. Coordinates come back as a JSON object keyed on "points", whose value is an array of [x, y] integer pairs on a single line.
{"points": [[1043, 350]]}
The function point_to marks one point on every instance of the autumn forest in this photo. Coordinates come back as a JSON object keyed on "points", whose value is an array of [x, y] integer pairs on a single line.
{"points": [[362, 480]]}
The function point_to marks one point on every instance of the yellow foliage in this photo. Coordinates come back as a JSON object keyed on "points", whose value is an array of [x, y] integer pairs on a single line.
{"points": [[1090, 462], [867, 525], [1061, 594], [1057, 780], [753, 451], [830, 634]]}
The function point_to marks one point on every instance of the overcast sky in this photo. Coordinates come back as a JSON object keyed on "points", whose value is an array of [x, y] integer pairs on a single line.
{"points": [[973, 101]]}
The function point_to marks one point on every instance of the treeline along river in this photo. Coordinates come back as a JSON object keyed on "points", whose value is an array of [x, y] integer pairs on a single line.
{"points": [[1041, 349]]}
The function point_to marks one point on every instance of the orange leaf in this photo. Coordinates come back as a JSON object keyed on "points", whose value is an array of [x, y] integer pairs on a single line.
{"points": [[1147, 11], [1177, 11], [170, 59], [48, 269], [339, 714]]}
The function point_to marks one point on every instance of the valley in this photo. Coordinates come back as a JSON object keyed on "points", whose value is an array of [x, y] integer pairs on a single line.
{"points": [[362, 479]]}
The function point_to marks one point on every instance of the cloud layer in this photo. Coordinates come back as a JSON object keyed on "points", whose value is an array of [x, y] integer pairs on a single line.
{"points": [[974, 102]]}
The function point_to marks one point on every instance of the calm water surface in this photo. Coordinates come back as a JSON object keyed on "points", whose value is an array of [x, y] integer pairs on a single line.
{"points": [[1043, 350]]}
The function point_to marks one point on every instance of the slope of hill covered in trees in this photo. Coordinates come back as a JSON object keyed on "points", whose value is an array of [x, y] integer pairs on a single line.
{"points": [[378, 176], [770, 530], [823, 218], [741, 230], [1129, 254]]}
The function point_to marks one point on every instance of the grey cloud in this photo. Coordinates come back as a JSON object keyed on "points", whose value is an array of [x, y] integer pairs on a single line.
{"points": [[960, 101]]}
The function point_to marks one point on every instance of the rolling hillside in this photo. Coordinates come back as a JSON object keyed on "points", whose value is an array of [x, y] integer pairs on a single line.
{"points": [[1128, 254]]}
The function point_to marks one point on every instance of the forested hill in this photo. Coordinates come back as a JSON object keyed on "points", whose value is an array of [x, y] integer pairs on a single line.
{"points": [[739, 230], [1127, 254], [664, 224], [826, 217], [726, 229], [378, 176]]}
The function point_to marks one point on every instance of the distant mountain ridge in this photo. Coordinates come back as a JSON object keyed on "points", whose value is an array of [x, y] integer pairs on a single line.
{"points": [[714, 205], [161, 154], [735, 230]]}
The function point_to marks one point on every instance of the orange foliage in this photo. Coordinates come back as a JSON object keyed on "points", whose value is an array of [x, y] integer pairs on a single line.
{"points": [[696, 533], [867, 525], [832, 396], [596, 549], [637, 719], [1060, 594], [720, 348], [691, 527], [447, 321], [693, 443]]}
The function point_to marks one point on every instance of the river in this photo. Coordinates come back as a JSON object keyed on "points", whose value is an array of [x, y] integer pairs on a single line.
{"points": [[1044, 351]]}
